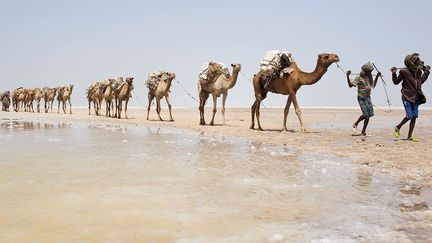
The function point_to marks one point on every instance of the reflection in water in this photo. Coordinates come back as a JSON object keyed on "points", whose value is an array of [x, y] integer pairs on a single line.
{"points": [[120, 183]]}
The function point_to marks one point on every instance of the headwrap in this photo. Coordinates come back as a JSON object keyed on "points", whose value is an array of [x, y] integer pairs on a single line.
{"points": [[413, 63], [366, 70]]}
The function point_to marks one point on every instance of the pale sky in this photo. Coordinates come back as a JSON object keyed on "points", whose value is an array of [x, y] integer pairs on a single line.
{"points": [[51, 43]]}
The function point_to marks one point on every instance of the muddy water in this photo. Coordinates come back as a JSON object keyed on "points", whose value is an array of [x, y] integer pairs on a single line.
{"points": [[76, 182]]}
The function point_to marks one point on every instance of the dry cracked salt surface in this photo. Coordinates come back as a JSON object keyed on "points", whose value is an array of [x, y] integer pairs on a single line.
{"points": [[122, 182]]}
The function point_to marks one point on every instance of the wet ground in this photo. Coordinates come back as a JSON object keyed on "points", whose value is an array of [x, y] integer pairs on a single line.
{"points": [[99, 182]]}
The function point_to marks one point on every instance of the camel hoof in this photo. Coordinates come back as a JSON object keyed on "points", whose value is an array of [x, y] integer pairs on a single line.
{"points": [[260, 129], [303, 130], [202, 123], [252, 127], [171, 120]]}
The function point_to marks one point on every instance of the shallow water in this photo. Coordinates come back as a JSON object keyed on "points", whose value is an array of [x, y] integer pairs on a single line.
{"points": [[77, 182]]}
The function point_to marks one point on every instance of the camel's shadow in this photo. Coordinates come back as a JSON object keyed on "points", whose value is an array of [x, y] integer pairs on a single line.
{"points": [[157, 120], [288, 131], [214, 125]]}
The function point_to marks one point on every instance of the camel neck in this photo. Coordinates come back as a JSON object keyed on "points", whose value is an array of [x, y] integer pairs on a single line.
{"points": [[315, 76], [233, 80]]}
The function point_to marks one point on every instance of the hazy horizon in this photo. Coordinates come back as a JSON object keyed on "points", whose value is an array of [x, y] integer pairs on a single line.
{"points": [[52, 43]]}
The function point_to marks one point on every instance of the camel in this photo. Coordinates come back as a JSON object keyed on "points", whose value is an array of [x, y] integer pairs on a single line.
{"points": [[49, 95], [220, 86], [122, 91], [37, 96], [34, 94], [289, 84], [162, 90], [109, 96], [64, 94], [95, 94], [6, 100], [19, 97]]}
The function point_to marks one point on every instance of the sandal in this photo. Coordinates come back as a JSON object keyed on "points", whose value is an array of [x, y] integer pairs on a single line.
{"points": [[396, 133]]}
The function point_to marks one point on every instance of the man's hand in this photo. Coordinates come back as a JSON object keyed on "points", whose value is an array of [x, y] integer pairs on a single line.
{"points": [[427, 68], [393, 70], [378, 74], [348, 73]]}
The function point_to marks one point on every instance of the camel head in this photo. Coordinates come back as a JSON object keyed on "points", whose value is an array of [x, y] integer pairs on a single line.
{"points": [[111, 81], [327, 59], [236, 67], [171, 76], [129, 80], [71, 86]]}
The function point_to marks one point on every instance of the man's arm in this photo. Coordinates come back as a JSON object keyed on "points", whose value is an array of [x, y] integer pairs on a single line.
{"points": [[350, 84], [376, 80], [396, 78], [425, 75]]}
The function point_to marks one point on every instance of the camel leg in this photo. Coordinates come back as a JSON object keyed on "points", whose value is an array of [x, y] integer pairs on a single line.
{"points": [[150, 99], [106, 108], [253, 108], [169, 107], [116, 107], [203, 98], [70, 106], [64, 106], [298, 111], [113, 109], [58, 109], [286, 110], [214, 109], [224, 97], [38, 106], [100, 107], [257, 111], [109, 108], [158, 107], [95, 107], [52, 102], [126, 106], [119, 108]]}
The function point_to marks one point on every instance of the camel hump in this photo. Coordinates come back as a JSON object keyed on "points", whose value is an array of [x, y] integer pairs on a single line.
{"points": [[276, 64], [154, 78], [275, 61], [211, 71]]}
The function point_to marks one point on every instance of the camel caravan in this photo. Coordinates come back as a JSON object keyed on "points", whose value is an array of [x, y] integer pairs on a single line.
{"points": [[116, 91], [278, 73], [24, 99]]}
